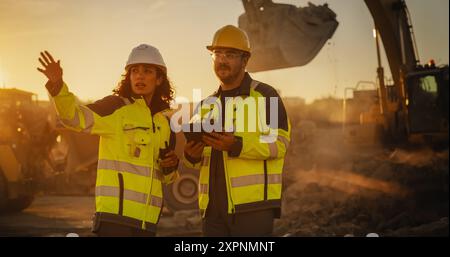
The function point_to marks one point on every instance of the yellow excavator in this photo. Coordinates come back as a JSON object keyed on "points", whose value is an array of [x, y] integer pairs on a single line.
{"points": [[36, 152], [26, 138], [414, 106]]}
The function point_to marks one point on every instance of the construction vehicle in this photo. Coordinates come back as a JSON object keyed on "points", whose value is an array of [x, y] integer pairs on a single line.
{"points": [[26, 139], [283, 35], [38, 154], [414, 106], [76, 155]]}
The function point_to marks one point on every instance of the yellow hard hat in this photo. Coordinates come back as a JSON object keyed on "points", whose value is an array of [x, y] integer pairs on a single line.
{"points": [[230, 37]]}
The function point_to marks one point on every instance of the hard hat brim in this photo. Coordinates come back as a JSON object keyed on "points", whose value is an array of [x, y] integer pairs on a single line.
{"points": [[164, 69], [211, 48]]}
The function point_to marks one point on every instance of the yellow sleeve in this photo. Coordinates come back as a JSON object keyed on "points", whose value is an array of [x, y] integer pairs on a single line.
{"points": [[80, 117], [272, 146]]}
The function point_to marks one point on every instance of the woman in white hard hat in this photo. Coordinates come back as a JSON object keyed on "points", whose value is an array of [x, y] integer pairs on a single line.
{"points": [[136, 143]]}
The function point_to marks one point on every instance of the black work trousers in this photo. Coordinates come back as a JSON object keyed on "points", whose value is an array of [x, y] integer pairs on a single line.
{"points": [[255, 223], [108, 229]]}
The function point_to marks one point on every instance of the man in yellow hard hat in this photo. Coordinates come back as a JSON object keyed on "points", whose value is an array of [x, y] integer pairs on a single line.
{"points": [[240, 164]]}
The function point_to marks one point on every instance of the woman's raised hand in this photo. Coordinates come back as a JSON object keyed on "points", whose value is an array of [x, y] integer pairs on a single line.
{"points": [[52, 70]]}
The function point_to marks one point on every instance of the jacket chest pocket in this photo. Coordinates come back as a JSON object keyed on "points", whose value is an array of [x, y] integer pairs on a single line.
{"points": [[137, 140]]}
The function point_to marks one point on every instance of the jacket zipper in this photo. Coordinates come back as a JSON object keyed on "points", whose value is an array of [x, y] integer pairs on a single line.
{"points": [[265, 180], [225, 159], [149, 196]]}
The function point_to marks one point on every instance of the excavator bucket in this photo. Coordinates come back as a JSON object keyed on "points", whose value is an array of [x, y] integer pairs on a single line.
{"points": [[283, 35]]}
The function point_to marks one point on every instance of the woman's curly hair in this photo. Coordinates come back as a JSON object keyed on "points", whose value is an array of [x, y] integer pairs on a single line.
{"points": [[162, 96]]}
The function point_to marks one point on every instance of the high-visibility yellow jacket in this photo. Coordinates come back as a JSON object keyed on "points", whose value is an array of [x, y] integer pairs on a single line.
{"points": [[129, 181], [254, 166]]}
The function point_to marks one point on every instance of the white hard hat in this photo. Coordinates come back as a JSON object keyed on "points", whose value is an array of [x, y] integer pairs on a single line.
{"points": [[146, 54]]}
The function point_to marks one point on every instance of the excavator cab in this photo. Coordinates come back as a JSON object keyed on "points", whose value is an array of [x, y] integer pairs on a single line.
{"points": [[283, 35], [428, 102]]}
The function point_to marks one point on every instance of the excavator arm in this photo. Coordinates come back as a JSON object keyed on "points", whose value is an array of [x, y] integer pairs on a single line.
{"points": [[422, 91], [284, 36]]}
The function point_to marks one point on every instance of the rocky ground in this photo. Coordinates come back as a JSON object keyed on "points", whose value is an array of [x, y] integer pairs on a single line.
{"points": [[60, 216], [333, 188]]}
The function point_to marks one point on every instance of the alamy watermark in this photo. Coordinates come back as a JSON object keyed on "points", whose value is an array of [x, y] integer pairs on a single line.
{"points": [[241, 114]]}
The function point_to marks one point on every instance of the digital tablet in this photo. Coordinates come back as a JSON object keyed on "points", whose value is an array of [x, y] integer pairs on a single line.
{"points": [[190, 134]]}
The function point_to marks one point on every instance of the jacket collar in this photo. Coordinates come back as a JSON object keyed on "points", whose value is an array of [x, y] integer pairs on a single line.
{"points": [[137, 99], [154, 107], [244, 88]]}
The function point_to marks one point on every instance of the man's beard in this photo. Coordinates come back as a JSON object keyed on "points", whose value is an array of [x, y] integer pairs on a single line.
{"points": [[228, 79]]}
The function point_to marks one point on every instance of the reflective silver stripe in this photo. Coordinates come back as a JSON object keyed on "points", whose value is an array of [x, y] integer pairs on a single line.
{"points": [[134, 196], [274, 178], [247, 180], [88, 119], [285, 141], [106, 191], [123, 167], [203, 188], [156, 201], [205, 161], [126, 100], [129, 195], [74, 122], [128, 167], [273, 149], [255, 180], [254, 84]]}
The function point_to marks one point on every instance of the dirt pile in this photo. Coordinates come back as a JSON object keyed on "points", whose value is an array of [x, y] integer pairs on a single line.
{"points": [[335, 189]]}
